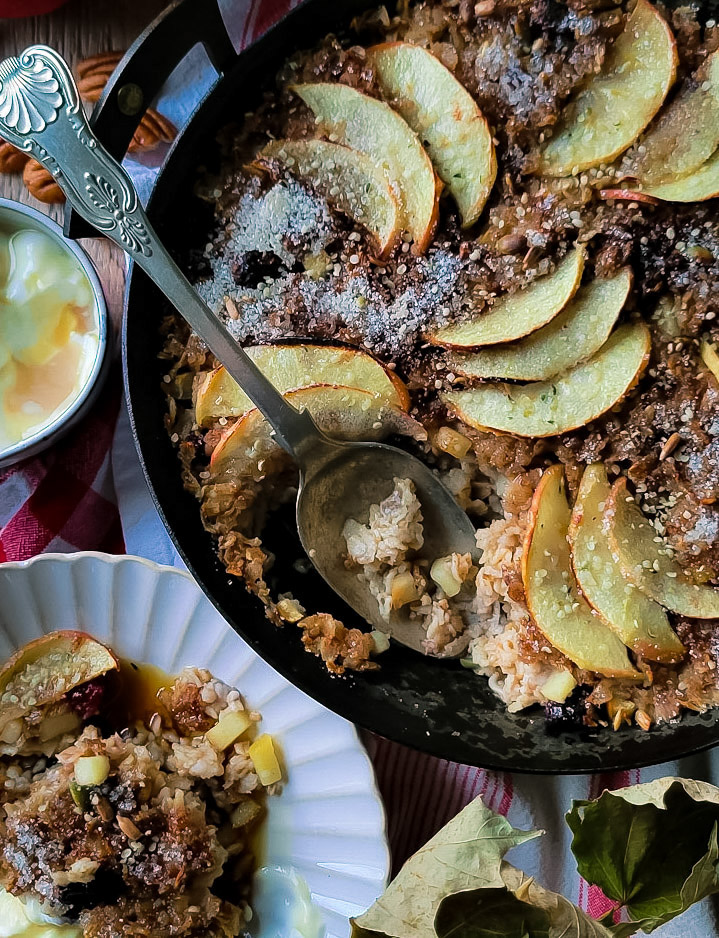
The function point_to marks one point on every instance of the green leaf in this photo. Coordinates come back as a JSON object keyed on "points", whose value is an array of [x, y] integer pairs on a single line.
{"points": [[466, 854], [652, 847], [489, 913]]}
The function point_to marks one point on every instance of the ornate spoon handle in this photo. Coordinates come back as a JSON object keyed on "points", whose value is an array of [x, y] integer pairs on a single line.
{"points": [[41, 113]]}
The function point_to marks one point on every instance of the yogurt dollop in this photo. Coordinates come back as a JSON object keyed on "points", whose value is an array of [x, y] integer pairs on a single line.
{"points": [[48, 334]]}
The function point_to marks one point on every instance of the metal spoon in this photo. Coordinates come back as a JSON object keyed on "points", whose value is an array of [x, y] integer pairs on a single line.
{"points": [[41, 113]]}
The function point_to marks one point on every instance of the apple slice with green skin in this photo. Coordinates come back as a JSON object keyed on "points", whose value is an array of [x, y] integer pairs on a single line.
{"points": [[519, 314], [641, 623], [685, 135], [648, 561], [248, 450], [45, 670], [553, 599], [290, 367], [348, 179], [372, 127], [547, 408], [574, 335], [615, 106], [698, 186], [445, 117]]}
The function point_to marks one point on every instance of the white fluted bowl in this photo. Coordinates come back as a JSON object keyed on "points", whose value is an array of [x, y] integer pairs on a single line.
{"points": [[328, 823]]}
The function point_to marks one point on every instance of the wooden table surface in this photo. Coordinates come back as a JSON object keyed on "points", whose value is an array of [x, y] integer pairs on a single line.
{"points": [[79, 29]]}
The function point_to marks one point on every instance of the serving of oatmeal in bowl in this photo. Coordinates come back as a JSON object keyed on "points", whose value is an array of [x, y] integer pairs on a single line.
{"points": [[141, 794], [485, 232]]}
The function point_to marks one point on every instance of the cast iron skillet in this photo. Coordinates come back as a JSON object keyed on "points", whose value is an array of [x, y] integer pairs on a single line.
{"points": [[425, 703]]}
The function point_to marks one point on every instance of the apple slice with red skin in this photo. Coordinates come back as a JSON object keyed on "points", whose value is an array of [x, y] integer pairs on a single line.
{"points": [[553, 598], [445, 117], [576, 334], [249, 451], [46, 669], [615, 105], [519, 314], [290, 367], [348, 179], [372, 127], [548, 408], [647, 561], [640, 622], [685, 134]]}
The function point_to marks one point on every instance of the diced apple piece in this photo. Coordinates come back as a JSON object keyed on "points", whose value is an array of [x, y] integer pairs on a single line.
{"points": [[579, 331], [546, 408], [249, 450], [446, 119], [228, 729], [559, 686], [698, 186], [553, 599], [403, 590], [264, 758], [372, 127], [444, 576], [710, 358], [453, 443], [46, 669], [519, 314], [615, 106], [649, 562], [91, 771], [349, 180], [299, 366], [641, 623], [685, 134]]}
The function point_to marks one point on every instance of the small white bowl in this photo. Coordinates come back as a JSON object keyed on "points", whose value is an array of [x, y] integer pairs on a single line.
{"points": [[328, 824], [15, 214]]}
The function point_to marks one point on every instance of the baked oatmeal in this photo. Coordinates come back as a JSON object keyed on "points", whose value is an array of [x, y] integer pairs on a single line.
{"points": [[486, 229], [121, 815]]}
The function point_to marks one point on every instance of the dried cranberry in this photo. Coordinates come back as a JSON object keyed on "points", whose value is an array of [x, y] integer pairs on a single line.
{"points": [[87, 699]]}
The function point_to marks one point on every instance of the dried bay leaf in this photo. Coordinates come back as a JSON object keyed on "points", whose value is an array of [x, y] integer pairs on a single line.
{"points": [[466, 854]]}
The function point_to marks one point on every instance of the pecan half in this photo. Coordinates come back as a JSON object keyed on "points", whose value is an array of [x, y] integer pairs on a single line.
{"points": [[93, 74], [12, 160], [40, 183]]}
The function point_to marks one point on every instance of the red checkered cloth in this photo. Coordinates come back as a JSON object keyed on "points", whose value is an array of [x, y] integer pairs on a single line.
{"points": [[63, 500]]}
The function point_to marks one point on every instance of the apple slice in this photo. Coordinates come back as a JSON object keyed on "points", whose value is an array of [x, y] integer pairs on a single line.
{"points": [[349, 180], [615, 106], [574, 335], [641, 623], [698, 186], [553, 599], [372, 127], [547, 408], [445, 117], [44, 670], [519, 314], [249, 450], [685, 134], [649, 563], [299, 366]]}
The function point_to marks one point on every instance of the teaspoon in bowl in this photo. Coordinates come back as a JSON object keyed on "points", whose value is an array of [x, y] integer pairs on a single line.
{"points": [[41, 113]]}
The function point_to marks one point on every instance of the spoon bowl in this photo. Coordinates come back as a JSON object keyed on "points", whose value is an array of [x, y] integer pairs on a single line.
{"points": [[341, 481]]}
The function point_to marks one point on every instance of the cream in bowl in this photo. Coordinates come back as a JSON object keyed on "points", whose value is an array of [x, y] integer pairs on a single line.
{"points": [[52, 332]]}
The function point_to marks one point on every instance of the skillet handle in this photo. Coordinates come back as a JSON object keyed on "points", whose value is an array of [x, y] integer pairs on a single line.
{"points": [[148, 63]]}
